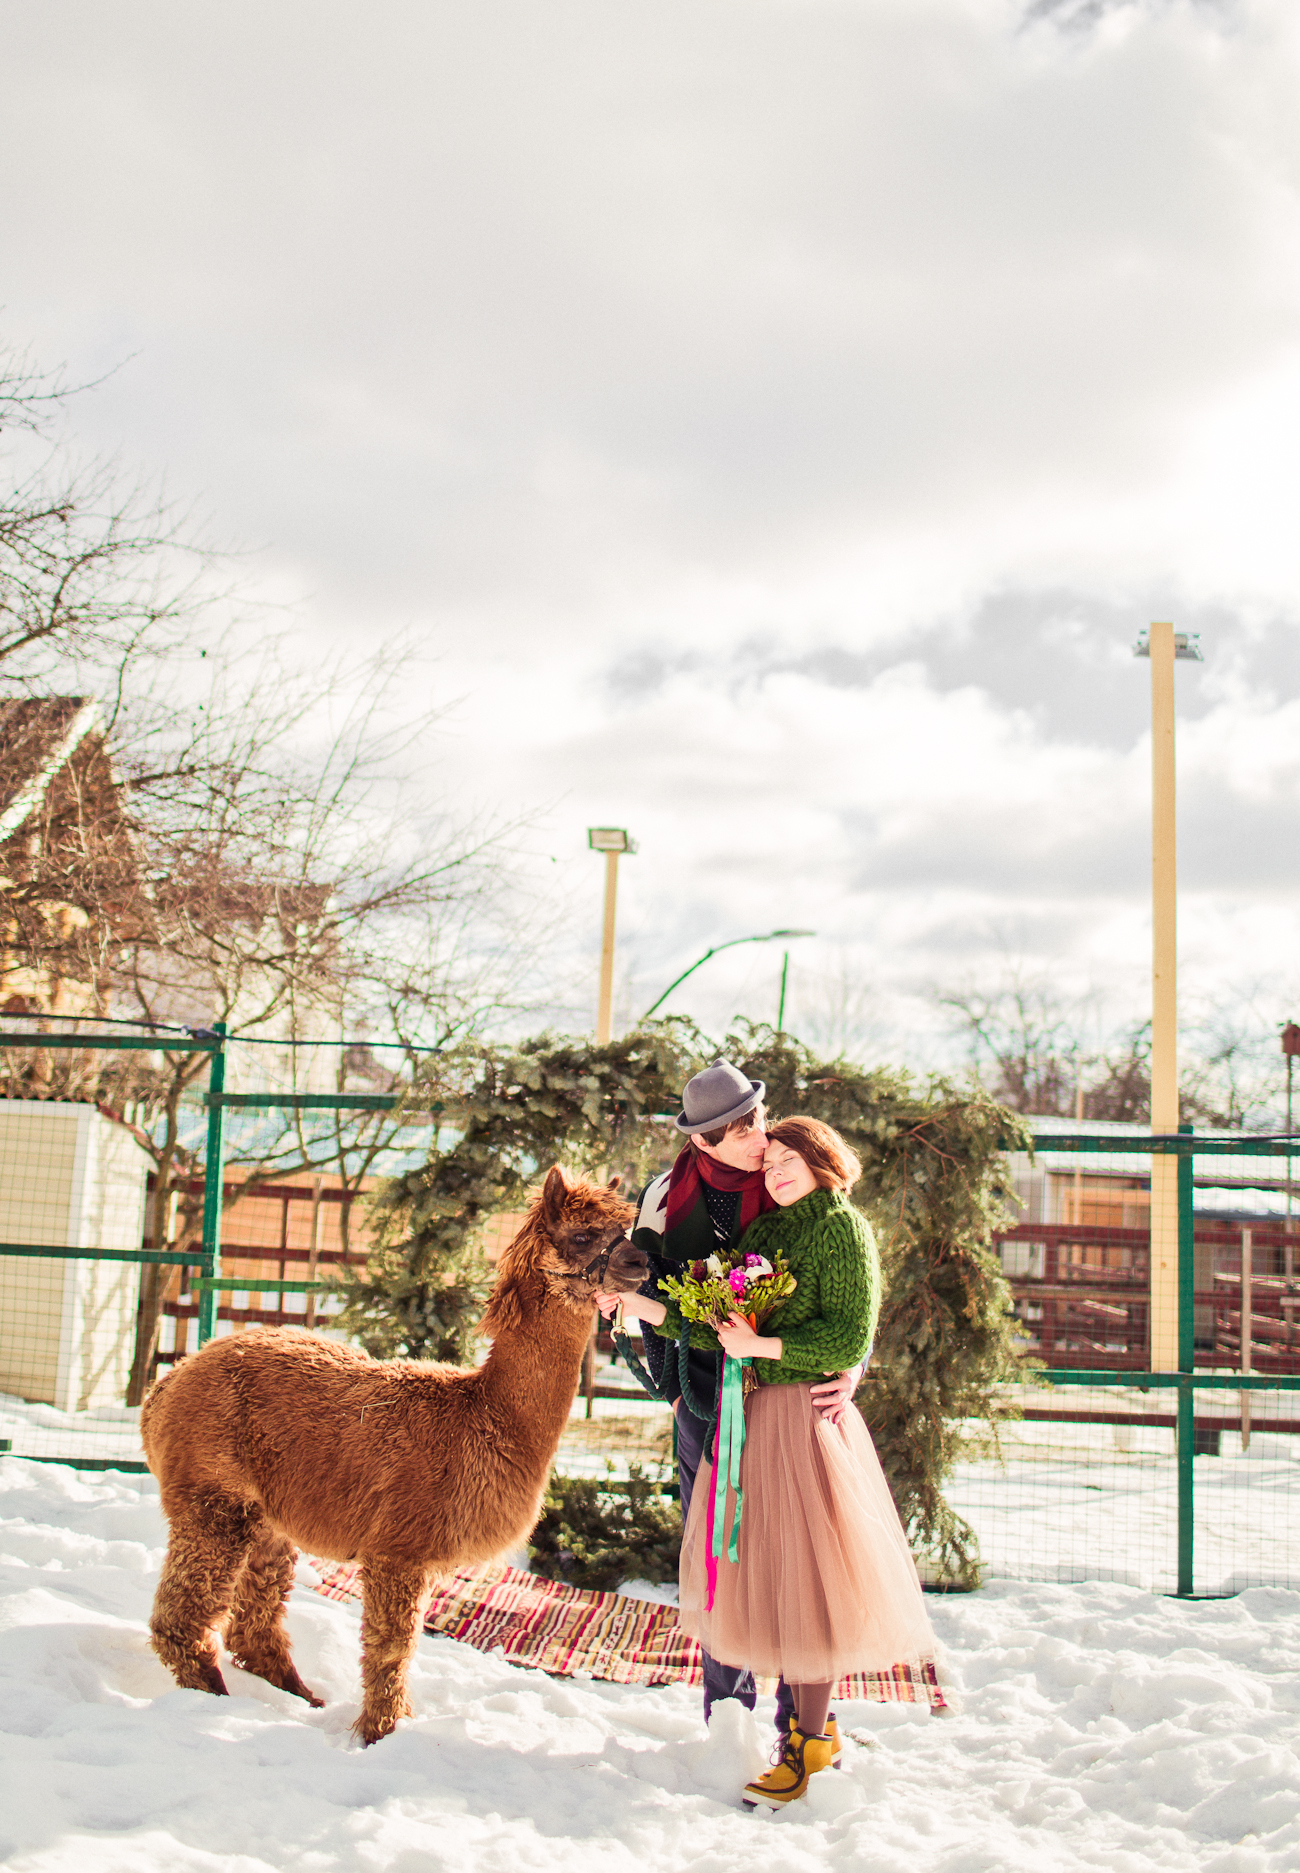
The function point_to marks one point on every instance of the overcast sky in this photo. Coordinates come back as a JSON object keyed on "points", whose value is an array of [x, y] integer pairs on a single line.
{"points": [[779, 417]]}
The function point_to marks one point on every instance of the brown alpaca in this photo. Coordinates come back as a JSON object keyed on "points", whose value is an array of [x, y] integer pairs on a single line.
{"points": [[274, 1440]]}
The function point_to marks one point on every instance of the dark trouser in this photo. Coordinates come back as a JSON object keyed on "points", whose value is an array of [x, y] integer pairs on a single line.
{"points": [[719, 1680]]}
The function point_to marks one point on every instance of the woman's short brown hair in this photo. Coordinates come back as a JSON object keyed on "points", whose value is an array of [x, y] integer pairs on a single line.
{"points": [[835, 1164]]}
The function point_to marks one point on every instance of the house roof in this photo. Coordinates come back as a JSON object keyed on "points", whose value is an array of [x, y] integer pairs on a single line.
{"points": [[38, 735]]}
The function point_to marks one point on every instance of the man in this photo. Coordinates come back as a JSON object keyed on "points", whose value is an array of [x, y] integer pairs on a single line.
{"points": [[706, 1201]]}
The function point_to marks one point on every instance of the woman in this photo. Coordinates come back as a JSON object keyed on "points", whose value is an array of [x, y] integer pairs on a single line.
{"points": [[824, 1583]]}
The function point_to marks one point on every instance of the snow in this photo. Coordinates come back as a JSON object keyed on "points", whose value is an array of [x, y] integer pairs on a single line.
{"points": [[1096, 1726], [111, 1433]]}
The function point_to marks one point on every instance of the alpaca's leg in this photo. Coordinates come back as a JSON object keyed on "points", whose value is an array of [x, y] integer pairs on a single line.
{"points": [[256, 1637], [393, 1601], [210, 1537]]}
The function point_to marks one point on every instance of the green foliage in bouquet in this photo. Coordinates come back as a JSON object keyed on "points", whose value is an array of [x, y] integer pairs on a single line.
{"points": [[597, 1534], [712, 1290]]}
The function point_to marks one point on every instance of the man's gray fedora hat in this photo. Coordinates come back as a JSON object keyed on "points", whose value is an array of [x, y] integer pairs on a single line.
{"points": [[716, 1097]]}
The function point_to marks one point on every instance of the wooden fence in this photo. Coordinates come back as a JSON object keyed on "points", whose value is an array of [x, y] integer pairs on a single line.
{"points": [[1082, 1296]]}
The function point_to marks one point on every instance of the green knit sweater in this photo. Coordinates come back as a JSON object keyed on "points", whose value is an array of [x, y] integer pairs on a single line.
{"points": [[829, 1322]]}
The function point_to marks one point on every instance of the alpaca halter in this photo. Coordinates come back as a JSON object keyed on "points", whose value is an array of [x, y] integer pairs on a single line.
{"points": [[598, 1267]]}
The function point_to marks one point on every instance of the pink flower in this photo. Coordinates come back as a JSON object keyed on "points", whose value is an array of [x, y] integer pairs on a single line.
{"points": [[737, 1280]]}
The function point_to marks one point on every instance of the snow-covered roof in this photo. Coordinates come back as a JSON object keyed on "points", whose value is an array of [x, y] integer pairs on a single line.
{"points": [[1226, 1183]]}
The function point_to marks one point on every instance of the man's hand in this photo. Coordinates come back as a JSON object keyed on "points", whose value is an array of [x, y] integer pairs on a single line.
{"points": [[832, 1397], [635, 1306]]}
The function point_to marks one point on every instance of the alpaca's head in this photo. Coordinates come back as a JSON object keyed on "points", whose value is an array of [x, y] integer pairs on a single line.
{"points": [[558, 1253]]}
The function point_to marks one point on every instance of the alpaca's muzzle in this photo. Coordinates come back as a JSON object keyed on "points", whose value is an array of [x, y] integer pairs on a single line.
{"points": [[626, 1268], [619, 1269]]}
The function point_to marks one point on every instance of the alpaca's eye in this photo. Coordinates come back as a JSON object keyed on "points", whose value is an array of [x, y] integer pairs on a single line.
{"points": [[581, 1240]]}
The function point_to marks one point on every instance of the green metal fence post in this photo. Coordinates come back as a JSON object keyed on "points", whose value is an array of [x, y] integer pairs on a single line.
{"points": [[1186, 1370], [213, 1173]]}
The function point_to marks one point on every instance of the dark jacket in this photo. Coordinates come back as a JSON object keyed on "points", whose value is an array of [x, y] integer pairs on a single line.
{"points": [[670, 1253]]}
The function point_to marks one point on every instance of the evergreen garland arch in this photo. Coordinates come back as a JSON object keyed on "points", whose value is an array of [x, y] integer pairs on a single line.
{"points": [[934, 1184]]}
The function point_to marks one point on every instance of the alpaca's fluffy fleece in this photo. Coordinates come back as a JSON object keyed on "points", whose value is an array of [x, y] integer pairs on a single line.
{"points": [[275, 1439]]}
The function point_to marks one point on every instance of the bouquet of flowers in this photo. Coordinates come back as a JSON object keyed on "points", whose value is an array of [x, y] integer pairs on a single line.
{"points": [[733, 1282]]}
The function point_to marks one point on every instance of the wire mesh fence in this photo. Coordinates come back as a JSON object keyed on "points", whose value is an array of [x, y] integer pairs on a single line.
{"points": [[1085, 1485], [297, 1172], [74, 1267], [1079, 1258], [92, 1306], [1119, 1464], [280, 1246]]}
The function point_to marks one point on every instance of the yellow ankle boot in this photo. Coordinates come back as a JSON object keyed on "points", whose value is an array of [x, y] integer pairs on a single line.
{"points": [[786, 1781], [833, 1732]]}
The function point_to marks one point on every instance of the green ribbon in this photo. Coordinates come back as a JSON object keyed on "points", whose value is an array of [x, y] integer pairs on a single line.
{"points": [[726, 1457]]}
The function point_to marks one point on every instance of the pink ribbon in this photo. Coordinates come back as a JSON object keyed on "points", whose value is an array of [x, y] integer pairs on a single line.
{"points": [[711, 1562]]}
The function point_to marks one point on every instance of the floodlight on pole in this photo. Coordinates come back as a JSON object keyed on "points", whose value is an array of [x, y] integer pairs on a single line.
{"points": [[613, 841], [768, 936], [1164, 647], [1187, 644]]}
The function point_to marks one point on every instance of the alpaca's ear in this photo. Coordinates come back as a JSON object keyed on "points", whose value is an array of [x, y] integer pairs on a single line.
{"points": [[614, 1182], [554, 1191]]}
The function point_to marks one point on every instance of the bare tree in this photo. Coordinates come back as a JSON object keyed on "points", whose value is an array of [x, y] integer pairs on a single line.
{"points": [[1023, 1039], [1027, 1044], [300, 888], [837, 1009], [95, 570], [1238, 1065]]}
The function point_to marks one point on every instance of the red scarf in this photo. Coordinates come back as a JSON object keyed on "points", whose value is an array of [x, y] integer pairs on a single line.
{"points": [[693, 1166]]}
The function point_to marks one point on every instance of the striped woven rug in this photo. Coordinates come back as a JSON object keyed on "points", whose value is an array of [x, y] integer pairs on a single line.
{"points": [[564, 1630]]}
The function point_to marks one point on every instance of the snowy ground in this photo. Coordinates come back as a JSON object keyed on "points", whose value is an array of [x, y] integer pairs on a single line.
{"points": [[1097, 1727]]}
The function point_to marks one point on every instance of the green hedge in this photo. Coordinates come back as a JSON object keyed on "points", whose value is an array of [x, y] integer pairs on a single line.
{"points": [[595, 1533]]}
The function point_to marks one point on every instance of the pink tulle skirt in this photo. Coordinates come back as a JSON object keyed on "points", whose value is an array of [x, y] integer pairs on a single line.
{"points": [[825, 1583]]}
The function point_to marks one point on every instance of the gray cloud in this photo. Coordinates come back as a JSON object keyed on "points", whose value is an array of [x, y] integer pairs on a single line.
{"points": [[1084, 16], [1006, 855], [1240, 846], [1062, 658], [1225, 845]]}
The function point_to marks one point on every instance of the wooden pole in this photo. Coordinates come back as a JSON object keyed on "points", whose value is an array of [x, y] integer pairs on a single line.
{"points": [[605, 1007], [213, 1187], [589, 1370], [1288, 1250], [314, 1247], [1247, 1325], [1164, 1004]]}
